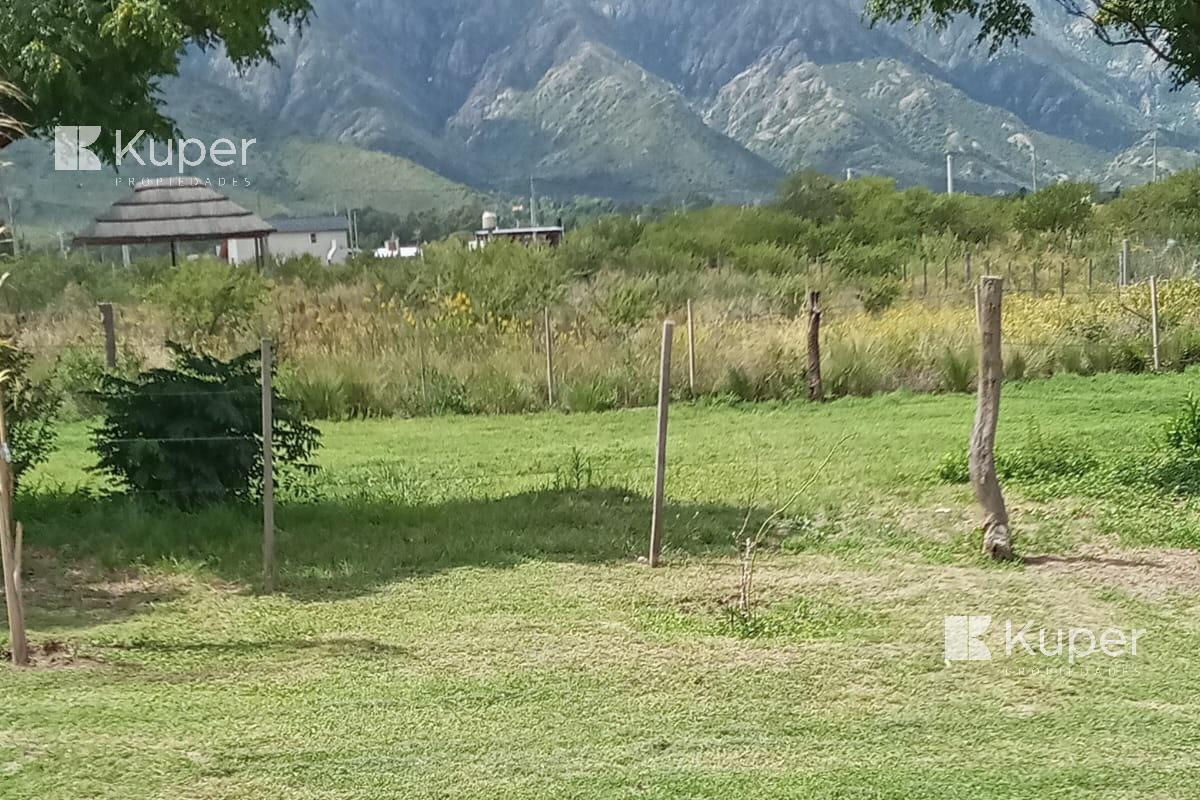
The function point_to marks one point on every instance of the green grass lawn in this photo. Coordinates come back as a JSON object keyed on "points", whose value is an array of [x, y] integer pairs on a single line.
{"points": [[461, 614]]}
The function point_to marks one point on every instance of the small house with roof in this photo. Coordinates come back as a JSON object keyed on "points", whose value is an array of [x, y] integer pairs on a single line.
{"points": [[325, 238]]}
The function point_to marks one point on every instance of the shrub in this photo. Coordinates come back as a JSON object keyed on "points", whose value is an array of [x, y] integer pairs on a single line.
{"points": [[31, 408], [1183, 431], [590, 395], [208, 299], [191, 435], [80, 374], [879, 295], [958, 370]]}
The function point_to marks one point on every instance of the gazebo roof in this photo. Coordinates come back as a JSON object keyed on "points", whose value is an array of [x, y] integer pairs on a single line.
{"points": [[184, 212]]}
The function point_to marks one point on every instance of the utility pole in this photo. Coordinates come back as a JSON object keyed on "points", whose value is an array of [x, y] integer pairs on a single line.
{"points": [[949, 173], [532, 204], [1033, 161], [1154, 176]]}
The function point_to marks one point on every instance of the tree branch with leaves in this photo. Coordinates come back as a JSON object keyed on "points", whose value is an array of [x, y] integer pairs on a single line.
{"points": [[1170, 29], [102, 62]]}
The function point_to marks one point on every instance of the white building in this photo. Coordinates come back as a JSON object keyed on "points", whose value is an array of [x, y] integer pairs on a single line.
{"points": [[393, 249], [326, 238]]}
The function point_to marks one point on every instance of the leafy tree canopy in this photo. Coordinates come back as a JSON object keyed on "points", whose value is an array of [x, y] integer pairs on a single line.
{"points": [[1061, 208], [1170, 28], [100, 62]]}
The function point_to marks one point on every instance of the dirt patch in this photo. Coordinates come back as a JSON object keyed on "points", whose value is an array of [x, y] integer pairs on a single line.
{"points": [[82, 592], [1149, 572], [53, 655]]}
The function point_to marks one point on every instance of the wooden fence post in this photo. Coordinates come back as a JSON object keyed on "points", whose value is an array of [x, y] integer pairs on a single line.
{"points": [[1062, 279], [10, 551], [549, 356], [997, 540], [1035, 282], [660, 457], [1091, 269], [945, 274], [1125, 266], [420, 330], [816, 389], [108, 320], [691, 334], [1154, 322], [967, 267], [268, 465]]}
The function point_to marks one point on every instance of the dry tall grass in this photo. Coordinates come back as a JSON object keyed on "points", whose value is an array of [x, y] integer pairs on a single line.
{"points": [[347, 351]]}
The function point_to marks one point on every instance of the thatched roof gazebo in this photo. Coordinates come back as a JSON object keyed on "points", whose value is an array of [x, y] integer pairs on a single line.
{"points": [[179, 211]]}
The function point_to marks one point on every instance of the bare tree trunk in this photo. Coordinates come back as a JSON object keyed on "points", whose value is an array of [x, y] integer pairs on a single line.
{"points": [[816, 389], [10, 552], [997, 539]]}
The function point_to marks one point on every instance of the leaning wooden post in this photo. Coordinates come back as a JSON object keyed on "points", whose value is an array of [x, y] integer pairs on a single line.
{"points": [[997, 540], [816, 389], [10, 551], [549, 355], [660, 458], [1154, 322], [268, 465], [108, 320], [691, 334]]}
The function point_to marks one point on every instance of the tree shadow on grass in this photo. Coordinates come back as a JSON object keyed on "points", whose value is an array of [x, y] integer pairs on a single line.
{"points": [[336, 549]]}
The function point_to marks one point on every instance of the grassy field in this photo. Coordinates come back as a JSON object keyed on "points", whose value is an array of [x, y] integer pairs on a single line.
{"points": [[462, 614]]}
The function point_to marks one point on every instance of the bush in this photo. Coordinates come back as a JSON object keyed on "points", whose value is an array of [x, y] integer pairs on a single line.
{"points": [[191, 436], [958, 370], [80, 374], [30, 407], [208, 299], [590, 395], [1183, 432]]}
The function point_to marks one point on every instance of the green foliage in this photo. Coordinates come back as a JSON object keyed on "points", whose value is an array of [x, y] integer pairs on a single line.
{"points": [[625, 304], [1170, 30], [1041, 458], [1183, 432], [958, 370], [80, 374], [1061, 208], [505, 279], [879, 294], [59, 55], [192, 435], [1167, 208], [812, 196], [590, 395], [31, 410], [208, 299]]}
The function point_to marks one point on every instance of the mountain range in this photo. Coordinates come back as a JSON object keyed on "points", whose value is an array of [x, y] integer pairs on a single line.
{"points": [[411, 104]]}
